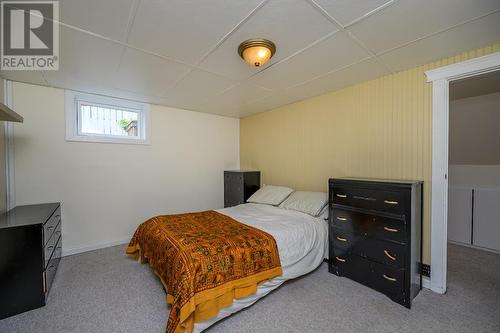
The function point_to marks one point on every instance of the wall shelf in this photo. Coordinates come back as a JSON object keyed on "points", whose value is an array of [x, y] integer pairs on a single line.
{"points": [[7, 114]]}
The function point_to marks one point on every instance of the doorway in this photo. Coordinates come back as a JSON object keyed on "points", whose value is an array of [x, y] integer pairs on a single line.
{"points": [[474, 186], [441, 78]]}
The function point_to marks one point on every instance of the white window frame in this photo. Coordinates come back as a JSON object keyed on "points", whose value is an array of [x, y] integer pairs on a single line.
{"points": [[74, 99]]}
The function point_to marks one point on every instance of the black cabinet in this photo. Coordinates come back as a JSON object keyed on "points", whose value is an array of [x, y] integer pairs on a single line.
{"points": [[375, 235], [239, 185], [30, 237]]}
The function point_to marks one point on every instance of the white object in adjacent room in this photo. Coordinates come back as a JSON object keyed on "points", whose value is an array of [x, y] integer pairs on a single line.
{"points": [[460, 214], [474, 217], [487, 218]]}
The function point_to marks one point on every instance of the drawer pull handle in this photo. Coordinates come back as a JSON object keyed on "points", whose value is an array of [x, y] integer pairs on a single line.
{"points": [[341, 218], [50, 227], [391, 202], [341, 195], [51, 267], [50, 247], [392, 257], [388, 278], [390, 229], [342, 239], [340, 259]]}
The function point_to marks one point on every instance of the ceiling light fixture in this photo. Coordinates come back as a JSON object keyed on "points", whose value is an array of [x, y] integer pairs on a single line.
{"points": [[256, 52]]}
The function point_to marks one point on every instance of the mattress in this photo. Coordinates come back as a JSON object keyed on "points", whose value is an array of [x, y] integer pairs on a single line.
{"points": [[302, 242]]}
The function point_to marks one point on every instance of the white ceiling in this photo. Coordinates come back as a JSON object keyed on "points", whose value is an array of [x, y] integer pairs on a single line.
{"points": [[183, 53]]}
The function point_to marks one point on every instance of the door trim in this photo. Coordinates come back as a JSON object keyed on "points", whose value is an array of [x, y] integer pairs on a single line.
{"points": [[9, 149], [441, 78]]}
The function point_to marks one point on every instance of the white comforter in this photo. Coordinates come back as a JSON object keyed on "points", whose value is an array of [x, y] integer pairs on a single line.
{"points": [[302, 245]]}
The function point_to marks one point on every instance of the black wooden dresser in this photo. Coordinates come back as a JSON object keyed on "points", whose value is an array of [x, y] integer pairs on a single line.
{"points": [[30, 238], [375, 234], [239, 185]]}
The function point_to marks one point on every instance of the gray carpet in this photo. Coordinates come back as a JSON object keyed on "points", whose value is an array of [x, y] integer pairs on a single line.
{"points": [[103, 291]]}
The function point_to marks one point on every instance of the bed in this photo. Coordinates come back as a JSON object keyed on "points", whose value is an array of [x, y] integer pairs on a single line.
{"points": [[302, 244], [215, 263]]}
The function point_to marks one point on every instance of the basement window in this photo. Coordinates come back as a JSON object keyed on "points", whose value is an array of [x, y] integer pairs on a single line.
{"points": [[94, 118]]}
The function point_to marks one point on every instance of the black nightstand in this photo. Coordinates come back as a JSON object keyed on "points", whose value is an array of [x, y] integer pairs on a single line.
{"points": [[239, 185], [31, 249]]}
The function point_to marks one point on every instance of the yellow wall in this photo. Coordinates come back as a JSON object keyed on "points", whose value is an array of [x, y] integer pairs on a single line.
{"points": [[379, 128]]}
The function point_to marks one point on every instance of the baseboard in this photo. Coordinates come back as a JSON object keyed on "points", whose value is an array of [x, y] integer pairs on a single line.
{"points": [[97, 246], [426, 282], [473, 247]]}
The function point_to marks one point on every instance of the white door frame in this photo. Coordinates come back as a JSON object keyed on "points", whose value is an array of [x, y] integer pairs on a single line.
{"points": [[440, 78], [9, 148]]}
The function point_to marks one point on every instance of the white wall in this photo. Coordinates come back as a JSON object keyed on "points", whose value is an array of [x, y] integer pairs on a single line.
{"points": [[181, 171], [474, 130], [475, 141]]}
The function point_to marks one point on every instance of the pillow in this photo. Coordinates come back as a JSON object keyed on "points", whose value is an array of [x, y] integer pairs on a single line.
{"points": [[270, 195], [311, 203]]}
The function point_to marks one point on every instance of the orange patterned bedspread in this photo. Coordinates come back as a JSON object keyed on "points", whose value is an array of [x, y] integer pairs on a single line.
{"points": [[204, 260]]}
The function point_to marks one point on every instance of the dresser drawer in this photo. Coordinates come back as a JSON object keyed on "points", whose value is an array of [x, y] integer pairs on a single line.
{"points": [[388, 253], [381, 200], [50, 270], [350, 265], [389, 281], [50, 226], [51, 244], [385, 279], [346, 242], [371, 225]]}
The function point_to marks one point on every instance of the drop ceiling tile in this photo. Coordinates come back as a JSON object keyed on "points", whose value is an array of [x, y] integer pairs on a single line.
{"points": [[84, 60], [273, 101], [220, 108], [118, 93], [138, 97], [143, 73], [333, 53], [105, 17], [407, 20], [469, 36], [90, 64], [234, 100], [347, 11], [242, 94], [363, 71], [197, 86], [290, 24], [186, 30]]}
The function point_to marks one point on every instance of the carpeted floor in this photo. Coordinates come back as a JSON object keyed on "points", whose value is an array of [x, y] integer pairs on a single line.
{"points": [[103, 291]]}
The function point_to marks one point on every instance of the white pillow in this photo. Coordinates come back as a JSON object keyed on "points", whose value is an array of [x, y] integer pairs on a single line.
{"points": [[270, 195], [311, 203]]}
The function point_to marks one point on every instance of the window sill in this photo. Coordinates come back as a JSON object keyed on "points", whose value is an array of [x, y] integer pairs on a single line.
{"points": [[97, 139]]}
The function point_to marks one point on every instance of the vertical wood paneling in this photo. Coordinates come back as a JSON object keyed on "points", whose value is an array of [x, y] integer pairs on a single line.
{"points": [[379, 128]]}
